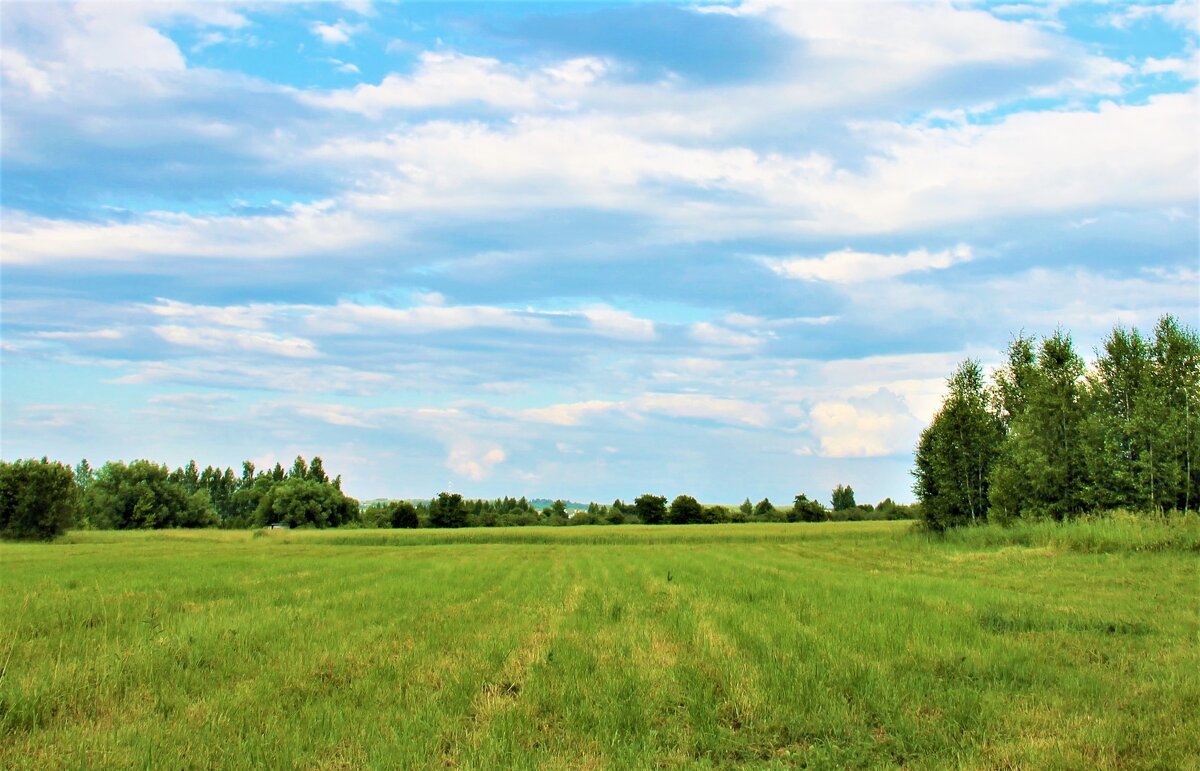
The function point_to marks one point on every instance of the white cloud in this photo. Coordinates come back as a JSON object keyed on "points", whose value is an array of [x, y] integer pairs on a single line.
{"points": [[567, 414], [253, 316], [472, 461], [914, 178], [229, 372], [222, 339], [20, 72], [345, 67], [619, 324], [674, 405], [338, 33], [1181, 13], [870, 426], [48, 46], [702, 406], [1174, 65], [94, 334], [304, 229], [1029, 163], [851, 267], [361, 7], [452, 78], [348, 317], [711, 334], [333, 414], [1096, 75]]}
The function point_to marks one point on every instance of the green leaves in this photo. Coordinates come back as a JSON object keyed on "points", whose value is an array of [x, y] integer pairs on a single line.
{"points": [[38, 500], [1052, 438], [956, 452]]}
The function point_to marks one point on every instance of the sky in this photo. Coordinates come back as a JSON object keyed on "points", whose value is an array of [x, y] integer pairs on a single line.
{"points": [[576, 250]]}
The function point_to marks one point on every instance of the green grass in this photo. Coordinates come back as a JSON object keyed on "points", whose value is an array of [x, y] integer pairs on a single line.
{"points": [[1110, 532], [831, 645]]}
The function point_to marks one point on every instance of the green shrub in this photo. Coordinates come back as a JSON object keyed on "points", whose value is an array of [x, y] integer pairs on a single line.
{"points": [[38, 500]]}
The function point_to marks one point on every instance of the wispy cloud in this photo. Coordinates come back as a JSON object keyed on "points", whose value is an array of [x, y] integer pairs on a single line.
{"points": [[337, 33], [850, 267]]}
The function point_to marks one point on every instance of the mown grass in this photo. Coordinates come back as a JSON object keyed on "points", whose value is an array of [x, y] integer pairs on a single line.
{"points": [[834, 645]]}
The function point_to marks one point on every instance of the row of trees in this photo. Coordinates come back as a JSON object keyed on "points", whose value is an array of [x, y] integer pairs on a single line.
{"points": [[41, 499], [452, 510], [214, 497], [1051, 437]]}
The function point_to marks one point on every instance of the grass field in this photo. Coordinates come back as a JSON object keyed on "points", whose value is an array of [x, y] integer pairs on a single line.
{"points": [[832, 645]]}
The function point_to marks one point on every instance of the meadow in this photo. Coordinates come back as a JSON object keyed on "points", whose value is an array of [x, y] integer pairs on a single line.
{"points": [[775, 646]]}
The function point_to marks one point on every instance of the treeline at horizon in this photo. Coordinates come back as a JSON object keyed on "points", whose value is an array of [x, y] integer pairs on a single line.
{"points": [[41, 499], [1050, 437]]}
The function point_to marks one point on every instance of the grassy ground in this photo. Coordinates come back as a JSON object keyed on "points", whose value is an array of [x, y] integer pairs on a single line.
{"points": [[855, 644]]}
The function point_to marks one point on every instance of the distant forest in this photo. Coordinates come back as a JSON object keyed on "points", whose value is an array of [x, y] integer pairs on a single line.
{"points": [[1050, 437], [40, 499]]}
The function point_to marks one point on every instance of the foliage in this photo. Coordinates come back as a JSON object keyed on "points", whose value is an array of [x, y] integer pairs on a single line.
{"points": [[686, 510], [143, 494], [447, 511], [403, 514], [956, 451], [38, 500], [1040, 470], [1055, 439], [300, 502], [764, 511], [805, 510], [843, 498], [650, 509]]}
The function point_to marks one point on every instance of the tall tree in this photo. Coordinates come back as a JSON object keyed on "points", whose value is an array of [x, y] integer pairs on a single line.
{"points": [[316, 471], [447, 510], [843, 498], [84, 475], [1011, 393], [955, 453], [1171, 422], [1113, 396], [1040, 471], [765, 510]]}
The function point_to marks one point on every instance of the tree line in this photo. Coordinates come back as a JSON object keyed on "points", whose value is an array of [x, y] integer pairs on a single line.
{"points": [[41, 499], [452, 510], [1051, 437]]}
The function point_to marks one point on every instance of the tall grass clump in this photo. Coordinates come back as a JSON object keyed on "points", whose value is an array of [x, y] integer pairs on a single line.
{"points": [[1114, 531]]}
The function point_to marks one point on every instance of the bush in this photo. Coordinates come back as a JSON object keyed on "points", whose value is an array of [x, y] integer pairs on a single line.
{"points": [[650, 509], [685, 510], [404, 514], [806, 510], [38, 500], [306, 503]]}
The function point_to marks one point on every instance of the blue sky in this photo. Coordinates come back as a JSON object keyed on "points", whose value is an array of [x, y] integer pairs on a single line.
{"points": [[566, 249]]}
